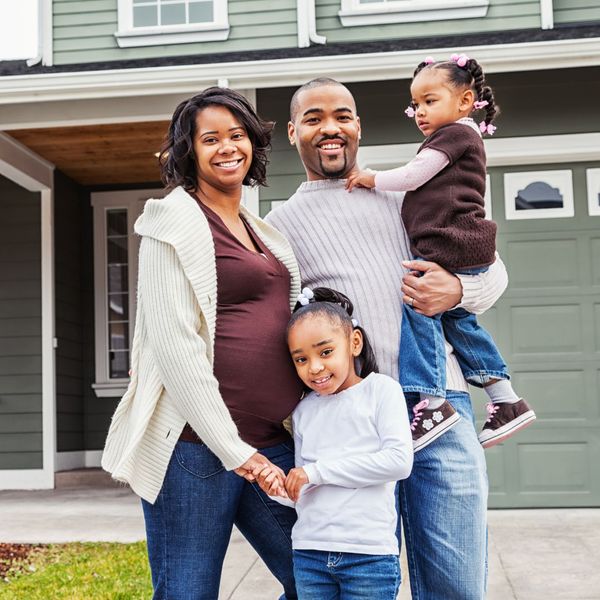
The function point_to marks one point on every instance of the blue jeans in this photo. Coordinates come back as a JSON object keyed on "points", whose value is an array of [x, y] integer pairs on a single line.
{"points": [[345, 576], [442, 506], [189, 526], [422, 363]]}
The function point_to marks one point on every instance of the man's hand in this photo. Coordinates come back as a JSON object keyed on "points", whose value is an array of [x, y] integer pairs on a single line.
{"points": [[365, 179], [435, 292], [294, 481]]}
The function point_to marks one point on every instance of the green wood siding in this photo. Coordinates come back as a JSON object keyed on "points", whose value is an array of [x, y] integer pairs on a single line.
{"points": [[84, 31], [68, 235], [20, 329], [501, 15], [576, 11]]}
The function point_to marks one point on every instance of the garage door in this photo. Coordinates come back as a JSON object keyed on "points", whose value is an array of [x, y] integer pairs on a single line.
{"points": [[548, 327]]}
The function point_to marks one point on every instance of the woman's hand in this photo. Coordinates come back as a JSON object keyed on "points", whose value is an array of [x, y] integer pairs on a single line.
{"points": [[294, 481], [256, 462], [271, 482], [433, 292]]}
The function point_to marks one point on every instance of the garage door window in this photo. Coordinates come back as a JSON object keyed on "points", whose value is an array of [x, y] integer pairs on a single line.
{"points": [[593, 188], [538, 195]]}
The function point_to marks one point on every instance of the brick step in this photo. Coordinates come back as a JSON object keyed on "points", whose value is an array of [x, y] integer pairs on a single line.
{"points": [[84, 478]]}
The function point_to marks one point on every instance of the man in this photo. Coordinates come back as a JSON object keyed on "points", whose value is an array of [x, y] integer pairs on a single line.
{"points": [[356, 243]]}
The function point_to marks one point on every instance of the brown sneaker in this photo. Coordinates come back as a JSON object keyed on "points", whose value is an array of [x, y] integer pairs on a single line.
{"points": [[504, 420], [428, 424]]}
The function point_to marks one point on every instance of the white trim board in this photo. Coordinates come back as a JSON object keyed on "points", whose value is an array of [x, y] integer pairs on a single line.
{"points": [[374, 66], [543, 149], [19, 164], [26, 479], [78, 459], [353, 13]]}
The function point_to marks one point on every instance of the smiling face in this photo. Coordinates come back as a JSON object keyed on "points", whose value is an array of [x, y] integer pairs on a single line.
{"points": [[437, 102], [326, 131], [323, 352], [223, 150]]}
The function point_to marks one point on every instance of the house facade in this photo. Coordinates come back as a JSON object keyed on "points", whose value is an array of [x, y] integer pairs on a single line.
{"points": [[80, 126]]}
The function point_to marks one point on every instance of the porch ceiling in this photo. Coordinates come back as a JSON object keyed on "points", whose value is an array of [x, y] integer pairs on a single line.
{"points": [[100, 154]]}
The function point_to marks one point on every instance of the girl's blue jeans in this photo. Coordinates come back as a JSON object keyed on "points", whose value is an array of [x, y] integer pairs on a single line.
{"points": [[322, 575], [189, 526], [423, 354], [442, 508]]}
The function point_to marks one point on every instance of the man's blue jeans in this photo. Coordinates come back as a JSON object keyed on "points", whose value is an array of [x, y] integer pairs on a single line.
{"points": [[423, 352], [189, 526], [346, 576], [442, 506]]}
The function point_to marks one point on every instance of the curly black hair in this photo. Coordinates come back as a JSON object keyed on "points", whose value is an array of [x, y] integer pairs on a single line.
{"points": [[177, 159], [470, 76]]}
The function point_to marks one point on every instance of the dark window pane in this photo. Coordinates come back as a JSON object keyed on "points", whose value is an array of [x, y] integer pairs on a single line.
{"points": [[538, 195], [119, 335], [119, 364], [118, 278], [118, 307], [116, 222], [201, 12], [145, 16], [117, 250]]}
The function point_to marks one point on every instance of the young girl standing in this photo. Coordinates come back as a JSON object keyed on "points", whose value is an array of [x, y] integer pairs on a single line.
{"points": [[444, 216], [352, 443]]}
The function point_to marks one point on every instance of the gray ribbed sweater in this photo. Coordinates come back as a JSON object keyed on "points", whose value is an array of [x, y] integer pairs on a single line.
{"points": [[355, 243]]}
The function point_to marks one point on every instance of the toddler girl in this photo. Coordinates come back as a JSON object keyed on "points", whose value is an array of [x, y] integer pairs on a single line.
{"points": [[352, 443], [443, 212]]}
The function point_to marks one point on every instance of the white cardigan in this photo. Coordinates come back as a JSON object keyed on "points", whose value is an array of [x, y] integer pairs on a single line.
{"points": [[172, 380]]}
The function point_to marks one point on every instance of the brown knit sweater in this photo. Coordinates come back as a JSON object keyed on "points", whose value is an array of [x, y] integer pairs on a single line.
{"points": [[445, 217]]}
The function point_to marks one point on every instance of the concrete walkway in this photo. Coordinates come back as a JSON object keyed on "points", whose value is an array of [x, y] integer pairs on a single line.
{"points": [[534, 554]]}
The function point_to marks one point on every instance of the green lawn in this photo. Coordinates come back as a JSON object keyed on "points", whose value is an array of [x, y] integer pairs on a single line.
{"points": [[81, 572]]}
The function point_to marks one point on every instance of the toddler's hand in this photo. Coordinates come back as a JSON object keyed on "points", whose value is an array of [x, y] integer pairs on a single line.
{"points": [[294, 481], [365, 179], [271, 480]]}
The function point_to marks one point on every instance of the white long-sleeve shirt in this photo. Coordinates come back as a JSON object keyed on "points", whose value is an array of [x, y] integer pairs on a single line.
{"points": [[353, 446]]}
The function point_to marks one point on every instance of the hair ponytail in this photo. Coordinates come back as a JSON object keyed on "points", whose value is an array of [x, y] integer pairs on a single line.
{"points": [[470, 76], [337, 307]]}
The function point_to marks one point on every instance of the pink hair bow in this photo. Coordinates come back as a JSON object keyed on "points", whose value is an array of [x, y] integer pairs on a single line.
{"points": [[487, 128], [429, 60], [410, 112], [480, 104], [460, 59]]}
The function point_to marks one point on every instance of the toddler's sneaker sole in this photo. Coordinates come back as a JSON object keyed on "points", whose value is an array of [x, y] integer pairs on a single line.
{"points": [[489, 438], [436, 432]]}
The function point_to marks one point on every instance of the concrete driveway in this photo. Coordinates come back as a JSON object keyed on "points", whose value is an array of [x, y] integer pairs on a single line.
{"points": [[533, 554]]}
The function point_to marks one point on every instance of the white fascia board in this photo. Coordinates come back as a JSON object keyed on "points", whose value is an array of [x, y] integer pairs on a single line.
{"points": [[531, 150], [374, 66]]}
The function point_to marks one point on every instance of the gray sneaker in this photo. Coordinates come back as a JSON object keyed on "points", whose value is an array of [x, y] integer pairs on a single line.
{"points": [[504, 420], [428, 424]]}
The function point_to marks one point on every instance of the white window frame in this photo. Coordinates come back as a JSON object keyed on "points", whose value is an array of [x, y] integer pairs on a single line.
{"points": [[593, 189], [133, 202], [353, 13], [559, 178], [129, 36]]}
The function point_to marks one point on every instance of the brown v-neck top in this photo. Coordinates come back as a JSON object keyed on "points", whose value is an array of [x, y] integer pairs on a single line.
{"points": [[256, 375]]}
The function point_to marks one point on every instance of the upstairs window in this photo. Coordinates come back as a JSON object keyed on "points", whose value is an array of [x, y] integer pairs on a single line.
{"points": [[155, 22], [379, 12]]}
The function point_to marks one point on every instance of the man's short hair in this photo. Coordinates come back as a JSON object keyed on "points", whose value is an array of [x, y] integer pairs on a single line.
{"points": [[313, 83]]}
